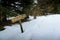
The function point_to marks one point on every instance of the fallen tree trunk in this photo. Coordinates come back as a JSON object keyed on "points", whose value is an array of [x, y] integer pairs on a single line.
{"points": [[13, 20], [18, 18]]}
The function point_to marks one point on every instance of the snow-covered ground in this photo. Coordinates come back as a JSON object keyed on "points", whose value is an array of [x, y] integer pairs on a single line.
{"points": [[42, 28]]}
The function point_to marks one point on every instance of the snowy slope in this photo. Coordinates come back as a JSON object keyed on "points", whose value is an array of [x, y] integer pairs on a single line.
{"points": [[42, 28]]}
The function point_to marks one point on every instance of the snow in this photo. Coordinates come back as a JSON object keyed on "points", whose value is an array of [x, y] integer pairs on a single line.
{"points": [[42, 28]]}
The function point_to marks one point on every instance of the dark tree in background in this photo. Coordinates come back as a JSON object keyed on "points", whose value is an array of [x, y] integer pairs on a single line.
{"points": [[13, 7]]}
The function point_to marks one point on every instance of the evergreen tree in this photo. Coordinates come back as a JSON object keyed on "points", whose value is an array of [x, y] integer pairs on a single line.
{"points": [[13, 7]]}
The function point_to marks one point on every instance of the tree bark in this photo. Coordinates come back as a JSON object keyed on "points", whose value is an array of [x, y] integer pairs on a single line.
{"points": [[21, 27], [34, 17], [2, 18]]}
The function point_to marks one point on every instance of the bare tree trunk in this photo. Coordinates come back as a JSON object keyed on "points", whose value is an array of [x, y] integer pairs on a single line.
{"points": [[2, 19], [34, 16], [21, 26]]}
